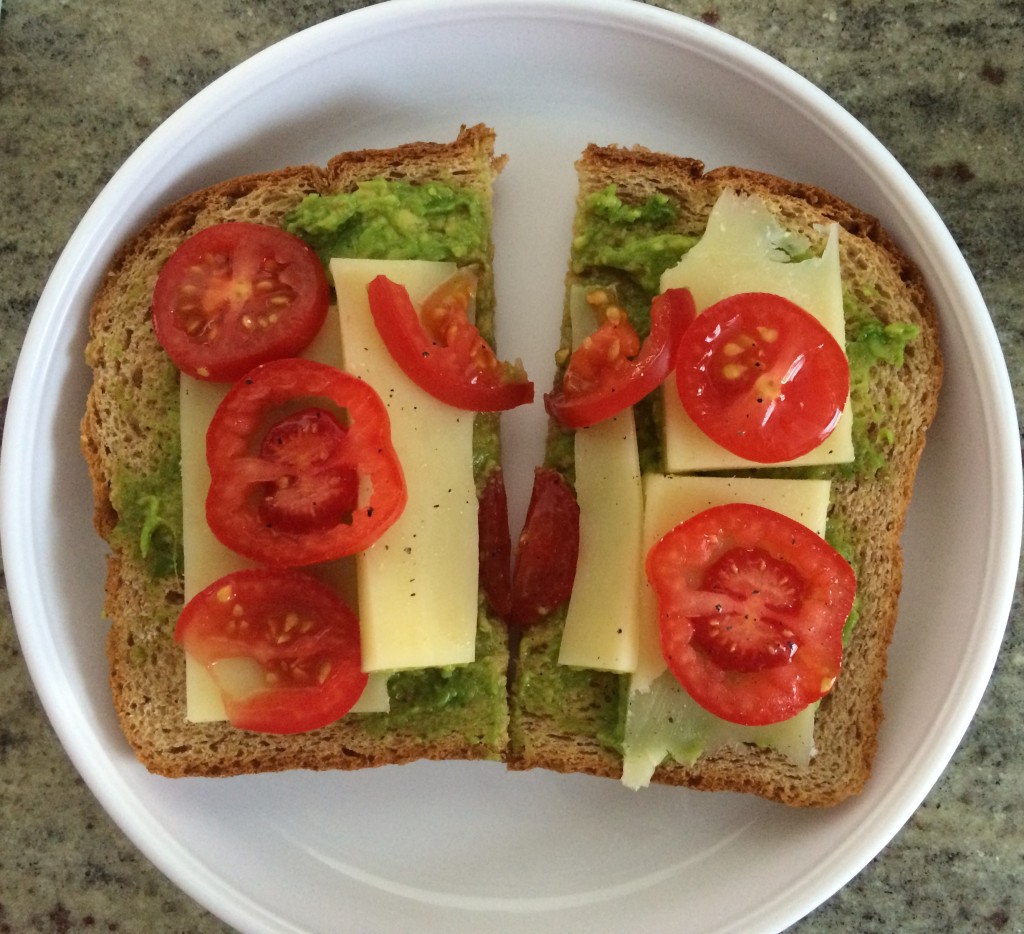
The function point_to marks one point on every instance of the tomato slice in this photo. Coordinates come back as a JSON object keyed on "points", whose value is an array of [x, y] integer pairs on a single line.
{"points": [[317, 487], [441, 351], [549, 548], [236, 295], [610, 371], [495, 545], [282, 647], [751, 609], [762, 377], [290, 488]]}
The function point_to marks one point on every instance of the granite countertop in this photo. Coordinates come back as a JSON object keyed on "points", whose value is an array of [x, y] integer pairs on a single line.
{"points": [[940, 84]]}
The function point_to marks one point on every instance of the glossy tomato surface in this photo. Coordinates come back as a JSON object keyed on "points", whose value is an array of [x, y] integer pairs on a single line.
{"points": [[762, 377], [548, 550], [236, 295], [441, 351], [610, 370], [751, 608], [282, 647], [302, 468]]}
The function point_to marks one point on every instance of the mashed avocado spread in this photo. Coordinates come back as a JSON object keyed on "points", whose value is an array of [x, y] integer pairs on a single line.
{"points": [[386, 219]]}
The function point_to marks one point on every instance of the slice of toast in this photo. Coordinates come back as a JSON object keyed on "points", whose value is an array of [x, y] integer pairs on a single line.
{"points": [[130, 440], [581, 732]]}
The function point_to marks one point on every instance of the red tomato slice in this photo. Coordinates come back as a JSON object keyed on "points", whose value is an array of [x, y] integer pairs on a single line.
{"points": [[441, 351], [318, 488], [762, 377], [335, 488], [751, 610], [236, 295], [549, 547], [610, 371], [298, 643], [495, 545]]}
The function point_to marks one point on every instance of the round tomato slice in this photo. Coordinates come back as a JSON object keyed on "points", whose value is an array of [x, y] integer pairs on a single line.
{"points": [[282, 647], [236, 295], [762, 377], [549, 548], [495, 545], [751, 608], [441, 351], [610, 371], [302, 468]]}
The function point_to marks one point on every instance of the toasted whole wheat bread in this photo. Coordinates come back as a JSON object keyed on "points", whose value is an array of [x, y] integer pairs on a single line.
{"points": [[871, 508], [129, 437]]}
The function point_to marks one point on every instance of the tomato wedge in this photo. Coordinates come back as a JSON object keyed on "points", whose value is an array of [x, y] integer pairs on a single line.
{"points": [[751, 609], [762, 377], [549, 547], [495, 545], [302, 468], [441, 351], [282, 647], [610, 371], [236, 295]]}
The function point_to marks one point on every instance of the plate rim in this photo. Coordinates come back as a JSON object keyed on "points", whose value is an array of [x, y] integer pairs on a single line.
{"points": [[43, 327]]}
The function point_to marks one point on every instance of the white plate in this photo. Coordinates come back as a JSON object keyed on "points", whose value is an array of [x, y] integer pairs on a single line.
{"points": [[463, 847]]}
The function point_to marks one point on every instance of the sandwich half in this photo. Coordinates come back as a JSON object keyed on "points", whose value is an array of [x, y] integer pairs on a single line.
{"points": [[639, 214], [421, 201]]}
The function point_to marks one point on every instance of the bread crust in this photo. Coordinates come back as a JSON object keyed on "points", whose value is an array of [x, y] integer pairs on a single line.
{"points": [[129, 425], [879, 275]]}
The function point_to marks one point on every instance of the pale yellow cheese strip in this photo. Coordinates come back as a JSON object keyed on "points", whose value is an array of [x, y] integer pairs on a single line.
{"points": [[739, 252], [206, 559], [602, 620], [418, 583], [671, 499]]}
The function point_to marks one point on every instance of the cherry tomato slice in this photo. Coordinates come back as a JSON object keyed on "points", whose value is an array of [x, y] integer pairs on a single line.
{"points": [[318, 488], [495, 545], [549, 547], [610, 371], [308, 478], [762, 377], [283, 648], [751, 608], [441, 351], [236, 295]]}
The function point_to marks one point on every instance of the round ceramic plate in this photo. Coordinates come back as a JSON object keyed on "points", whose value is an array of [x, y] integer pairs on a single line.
{"points": [[467, 846]]}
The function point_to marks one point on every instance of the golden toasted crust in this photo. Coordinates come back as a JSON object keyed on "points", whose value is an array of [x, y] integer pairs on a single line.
{"points": [[872, 509], [130, 429]]}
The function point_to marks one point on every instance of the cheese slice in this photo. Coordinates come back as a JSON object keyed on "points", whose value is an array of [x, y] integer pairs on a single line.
{"points": [[671, 499], [206, 559], [661, 718], [418, 583], [602, 621], [741, 251]]}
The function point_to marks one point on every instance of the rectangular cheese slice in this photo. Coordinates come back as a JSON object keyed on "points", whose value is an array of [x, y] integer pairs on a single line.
{"points": [[661, 718], [671, 499], [741, 251], [418, 583], [602, 620], [206, 559]]}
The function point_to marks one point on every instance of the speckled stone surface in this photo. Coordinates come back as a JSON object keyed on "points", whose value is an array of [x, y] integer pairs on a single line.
{"points": [[941, 84]]}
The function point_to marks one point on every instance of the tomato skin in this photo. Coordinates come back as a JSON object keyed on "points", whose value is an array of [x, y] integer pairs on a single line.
{"points": [[495, 545], [762, 377], [549, 546], [752, 641], [239, 475], [444, 353], [301, 633], [610, 371], [235, 295]]}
